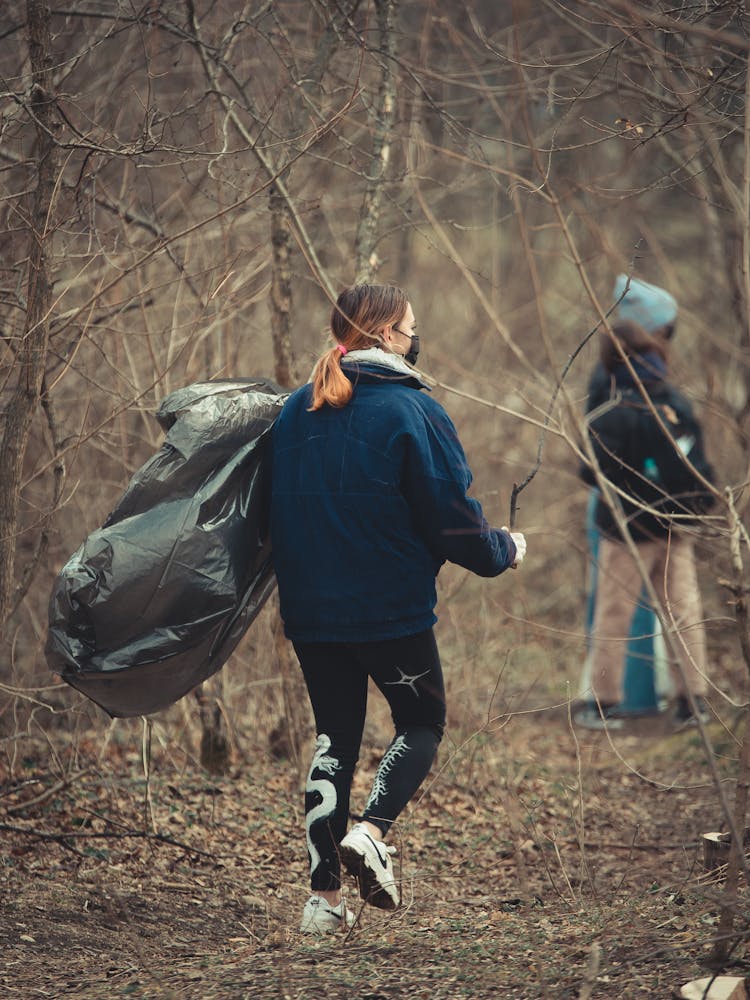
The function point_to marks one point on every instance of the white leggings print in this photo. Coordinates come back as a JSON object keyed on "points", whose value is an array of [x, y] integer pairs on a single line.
{"points": [[408, 680], [321, 762], [380, 783]]}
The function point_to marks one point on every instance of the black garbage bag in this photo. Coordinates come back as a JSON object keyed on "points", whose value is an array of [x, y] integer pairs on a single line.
{"points": [[155, 601]]}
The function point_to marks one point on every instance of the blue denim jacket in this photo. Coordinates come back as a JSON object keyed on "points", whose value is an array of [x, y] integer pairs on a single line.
{"points": [[368, 501]]}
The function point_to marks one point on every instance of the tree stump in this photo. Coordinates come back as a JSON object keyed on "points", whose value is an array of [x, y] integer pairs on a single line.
{"points": [[722, 988], [716, 849]]}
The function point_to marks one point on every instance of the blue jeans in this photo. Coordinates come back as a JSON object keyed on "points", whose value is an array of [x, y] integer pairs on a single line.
{"points": [[639, 689]]}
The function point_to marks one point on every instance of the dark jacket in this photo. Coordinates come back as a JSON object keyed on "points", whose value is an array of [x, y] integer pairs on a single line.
{"points": [[368, 501], [599, 387], [637, 456]]}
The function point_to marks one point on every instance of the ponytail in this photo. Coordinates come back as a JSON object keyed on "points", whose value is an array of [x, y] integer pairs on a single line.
{"points": [[329, 384], [359, 316]]}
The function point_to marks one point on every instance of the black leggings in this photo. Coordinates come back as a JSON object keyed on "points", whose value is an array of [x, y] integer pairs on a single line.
{"points": [[408, 673]]}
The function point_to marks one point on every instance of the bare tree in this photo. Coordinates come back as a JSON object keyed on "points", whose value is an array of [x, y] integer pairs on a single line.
{"points": [[30, 351]]}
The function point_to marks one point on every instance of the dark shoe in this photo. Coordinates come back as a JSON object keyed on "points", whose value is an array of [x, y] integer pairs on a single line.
{"points": [[602, 715], [684, 715]]}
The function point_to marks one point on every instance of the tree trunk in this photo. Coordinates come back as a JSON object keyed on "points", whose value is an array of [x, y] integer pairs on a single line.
{"points": [[725, 940], [58, 480], [214, 748], [281, 293], [366, 259], [31, 354]]}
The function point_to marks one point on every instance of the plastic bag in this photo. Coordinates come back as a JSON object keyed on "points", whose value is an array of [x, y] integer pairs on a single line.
{"points": [[155, 601]]}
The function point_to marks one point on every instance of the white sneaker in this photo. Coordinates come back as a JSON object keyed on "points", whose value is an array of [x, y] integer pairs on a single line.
{"points": [[370, 863], [319, 917]]}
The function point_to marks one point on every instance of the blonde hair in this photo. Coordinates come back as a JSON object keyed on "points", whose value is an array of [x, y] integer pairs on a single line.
{"points": [[358, 317]]}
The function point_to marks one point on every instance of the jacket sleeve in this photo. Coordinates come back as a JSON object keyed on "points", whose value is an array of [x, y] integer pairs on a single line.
{"points": [[434, 480]]}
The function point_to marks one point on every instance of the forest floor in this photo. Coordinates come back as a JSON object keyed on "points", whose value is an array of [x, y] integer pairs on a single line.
{"points": [[539, 861]]}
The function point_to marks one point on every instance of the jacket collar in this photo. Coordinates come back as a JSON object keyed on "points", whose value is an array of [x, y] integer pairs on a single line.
{"points": [[373, 361]]}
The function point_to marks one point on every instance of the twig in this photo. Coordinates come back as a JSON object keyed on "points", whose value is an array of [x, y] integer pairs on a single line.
{"points": [[517, 487], [49, 792], [61, 836], [592, 971], [148, 805], [275, 176], [613, 845]]}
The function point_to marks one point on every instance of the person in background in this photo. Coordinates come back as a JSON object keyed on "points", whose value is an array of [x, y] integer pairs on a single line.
{"points": [[658, 496], [652, 308], [656, 311], [369, 499]]}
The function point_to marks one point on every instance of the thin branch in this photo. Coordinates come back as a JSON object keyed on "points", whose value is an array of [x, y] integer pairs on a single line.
{"points": [[264, 160], [61, 836], [48, 793]]}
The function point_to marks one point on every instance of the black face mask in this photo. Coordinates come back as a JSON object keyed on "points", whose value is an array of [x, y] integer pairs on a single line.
{"points": [[413, 353]]}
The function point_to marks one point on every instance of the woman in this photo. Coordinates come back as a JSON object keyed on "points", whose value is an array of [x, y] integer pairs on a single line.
{"points": [[658, 496], [369, 499], [644, 679]]}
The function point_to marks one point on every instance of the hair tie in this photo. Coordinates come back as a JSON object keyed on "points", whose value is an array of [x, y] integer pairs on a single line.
{"points": [[340, 347]]}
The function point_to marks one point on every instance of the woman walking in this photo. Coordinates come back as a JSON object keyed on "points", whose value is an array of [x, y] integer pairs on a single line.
{"points": [[369, 499]]}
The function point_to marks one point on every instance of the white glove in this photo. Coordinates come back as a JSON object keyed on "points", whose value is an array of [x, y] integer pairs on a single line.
{"points": [[519, 541]]}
